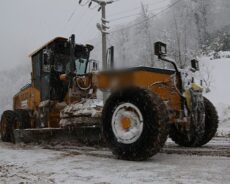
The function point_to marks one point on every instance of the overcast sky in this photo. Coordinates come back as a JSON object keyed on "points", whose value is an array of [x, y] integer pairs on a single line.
{"points": [[28, 24]]}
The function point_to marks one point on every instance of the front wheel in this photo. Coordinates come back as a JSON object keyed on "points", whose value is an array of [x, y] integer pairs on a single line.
{"points": [[197, 139], [211, 122], [135, 123]]}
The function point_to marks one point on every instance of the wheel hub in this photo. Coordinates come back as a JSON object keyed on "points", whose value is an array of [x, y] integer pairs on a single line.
{"points": [[127, 123]]}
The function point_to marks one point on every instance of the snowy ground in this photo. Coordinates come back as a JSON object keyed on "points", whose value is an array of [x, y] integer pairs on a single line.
{"points": [[29, 164]]}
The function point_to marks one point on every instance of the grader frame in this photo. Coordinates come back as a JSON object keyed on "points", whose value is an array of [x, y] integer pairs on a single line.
{"points": [[144, 106]]}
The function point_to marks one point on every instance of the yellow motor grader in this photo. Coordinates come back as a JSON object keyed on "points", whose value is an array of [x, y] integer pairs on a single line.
{"points": [[143, 105]]}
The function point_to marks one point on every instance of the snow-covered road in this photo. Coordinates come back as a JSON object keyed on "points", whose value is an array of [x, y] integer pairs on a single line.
{"points": [[20, 164]]}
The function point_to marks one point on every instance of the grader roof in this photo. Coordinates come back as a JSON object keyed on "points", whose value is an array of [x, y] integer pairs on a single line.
{"points": [[48, 44]]}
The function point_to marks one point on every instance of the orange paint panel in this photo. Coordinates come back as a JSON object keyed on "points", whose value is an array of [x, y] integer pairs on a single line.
{"points": [[28, 98]]}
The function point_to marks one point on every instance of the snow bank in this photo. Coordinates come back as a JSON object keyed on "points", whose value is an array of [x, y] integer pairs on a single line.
{"points": [[220, 87]]}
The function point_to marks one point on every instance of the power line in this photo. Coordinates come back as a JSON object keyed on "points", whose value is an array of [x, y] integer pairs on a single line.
{"points": [[96, 6], [69, 18], [89, 3], [127, 16], [88, 25], [151, 17], [137, 8], [72, 14], [83, 4], [124, 17], [77, 25]]}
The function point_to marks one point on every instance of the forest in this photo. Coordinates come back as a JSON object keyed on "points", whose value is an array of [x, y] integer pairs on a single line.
{"points": [[191, 28]]}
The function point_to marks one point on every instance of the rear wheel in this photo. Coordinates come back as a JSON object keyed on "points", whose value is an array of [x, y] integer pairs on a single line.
{"points": [[18, 119], [7, 126], [22, 119], [135, 123]]}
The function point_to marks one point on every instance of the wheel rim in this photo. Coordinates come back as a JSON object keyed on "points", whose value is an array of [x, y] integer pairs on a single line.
{"points": [[127, 123]]}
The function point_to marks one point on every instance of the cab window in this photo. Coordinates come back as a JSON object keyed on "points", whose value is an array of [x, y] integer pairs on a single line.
{"points": [[81, 66]]}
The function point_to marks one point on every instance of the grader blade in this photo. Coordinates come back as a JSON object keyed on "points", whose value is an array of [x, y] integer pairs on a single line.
{"points": [[75, 136]]}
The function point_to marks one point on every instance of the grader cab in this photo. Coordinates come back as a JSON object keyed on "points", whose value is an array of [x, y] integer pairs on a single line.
{"points": [[142, 107], [38, 105]]}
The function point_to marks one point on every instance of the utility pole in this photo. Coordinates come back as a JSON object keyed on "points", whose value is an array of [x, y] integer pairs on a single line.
{"points": [[103, 32], [103, 29]]}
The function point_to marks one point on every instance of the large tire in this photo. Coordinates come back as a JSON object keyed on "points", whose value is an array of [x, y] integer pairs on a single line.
{"points": [[23, 118], [211, 122], [7, 126], [155, 123], [181, 137], [197, 140]]}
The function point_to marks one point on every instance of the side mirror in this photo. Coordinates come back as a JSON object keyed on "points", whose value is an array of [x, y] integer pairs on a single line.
{"points": [[110, 58], [81, 60], [89, 47], [93, 65], [195, 65], [160, 49]]}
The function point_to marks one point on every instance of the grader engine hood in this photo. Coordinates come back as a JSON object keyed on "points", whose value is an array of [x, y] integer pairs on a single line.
{"points": [[156, 80], [140, 76], [160, 81]]}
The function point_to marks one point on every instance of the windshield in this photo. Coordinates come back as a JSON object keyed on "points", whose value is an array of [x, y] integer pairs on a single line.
{"points": [[60, 62], [81, 65]]}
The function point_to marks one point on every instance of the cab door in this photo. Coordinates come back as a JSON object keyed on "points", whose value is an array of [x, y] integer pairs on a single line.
{"points": [[45, 76]]}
